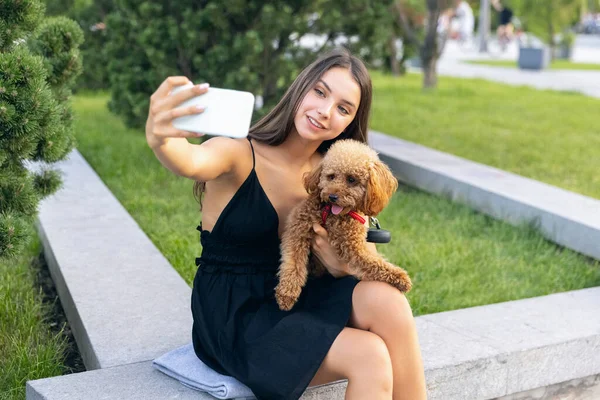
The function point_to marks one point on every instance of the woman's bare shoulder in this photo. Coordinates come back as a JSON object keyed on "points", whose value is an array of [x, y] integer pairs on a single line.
{"points": [[234, 154], [238, 150]]}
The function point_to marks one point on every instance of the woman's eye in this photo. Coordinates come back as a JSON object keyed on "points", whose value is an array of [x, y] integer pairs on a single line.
{"points": [[351, 179], [319, 92], [343, 110], [331, 177]]}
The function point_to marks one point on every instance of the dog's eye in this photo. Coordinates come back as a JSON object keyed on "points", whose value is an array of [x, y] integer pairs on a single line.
{"points": [[351, 179], [331, 177]]}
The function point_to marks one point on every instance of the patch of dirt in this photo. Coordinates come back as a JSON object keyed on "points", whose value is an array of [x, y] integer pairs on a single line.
{"points": [[57, 318]]}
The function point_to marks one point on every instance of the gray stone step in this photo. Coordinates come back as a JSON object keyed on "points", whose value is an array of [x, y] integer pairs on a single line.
{"points": [[475, 353], [500, 349], [138, 382], [577, 389], [567, 218]]}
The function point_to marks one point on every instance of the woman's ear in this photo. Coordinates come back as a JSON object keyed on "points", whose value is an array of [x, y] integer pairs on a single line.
{"points": [[311, 179], [381, 186]]}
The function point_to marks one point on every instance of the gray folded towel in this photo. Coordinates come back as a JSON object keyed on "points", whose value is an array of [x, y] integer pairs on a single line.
{"points": [[183, 365]]}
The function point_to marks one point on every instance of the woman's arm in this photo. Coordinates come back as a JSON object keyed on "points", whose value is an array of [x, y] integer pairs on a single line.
{"points": [[199, 162]]}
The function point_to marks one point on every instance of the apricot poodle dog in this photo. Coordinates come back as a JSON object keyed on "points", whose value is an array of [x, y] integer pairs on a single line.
{"points": [[350, 184]]}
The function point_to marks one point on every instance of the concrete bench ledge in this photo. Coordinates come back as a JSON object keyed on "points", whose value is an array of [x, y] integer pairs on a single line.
{"points": [[476, 353], [564, 217], [121, 296], [127, 306], [138, 382]]}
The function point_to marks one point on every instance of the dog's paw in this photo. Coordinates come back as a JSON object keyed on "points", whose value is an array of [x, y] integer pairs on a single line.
{"points": [[401, 280], [286, 296]]}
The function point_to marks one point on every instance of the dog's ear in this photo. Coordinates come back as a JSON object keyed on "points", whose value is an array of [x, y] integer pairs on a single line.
{"points": [[311, 179], [381, 186]]}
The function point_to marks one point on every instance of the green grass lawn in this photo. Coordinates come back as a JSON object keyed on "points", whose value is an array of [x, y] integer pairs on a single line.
{"points": [[28, 348], [457, 258], [550, 136], [556, 64]]}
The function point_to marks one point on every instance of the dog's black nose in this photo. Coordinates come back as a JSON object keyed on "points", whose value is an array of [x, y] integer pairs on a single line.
{"points": [[333, 198]]}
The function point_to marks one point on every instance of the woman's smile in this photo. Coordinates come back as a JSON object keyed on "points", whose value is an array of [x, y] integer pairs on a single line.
{"points": [[314, 123]]}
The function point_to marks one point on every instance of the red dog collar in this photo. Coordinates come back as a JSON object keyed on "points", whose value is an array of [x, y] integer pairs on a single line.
{"points": [[327, 210]]}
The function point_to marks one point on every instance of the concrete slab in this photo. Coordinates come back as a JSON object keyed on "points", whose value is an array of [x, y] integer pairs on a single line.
{"points": [[138, 381], [567, 218], [123, 299], [577, 389], [476, 353], [511, 347]]}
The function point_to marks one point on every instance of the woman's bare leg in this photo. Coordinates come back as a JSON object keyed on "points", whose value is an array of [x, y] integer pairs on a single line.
{"points": [[363, 358], [379, 308]]}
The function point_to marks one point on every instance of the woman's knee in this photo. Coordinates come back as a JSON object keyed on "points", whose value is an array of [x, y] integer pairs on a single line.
{"points": [[377, 302], [372, 363], [359, 356]]}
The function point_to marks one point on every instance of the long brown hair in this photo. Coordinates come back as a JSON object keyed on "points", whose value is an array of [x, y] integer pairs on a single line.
{"points": [[274, 128]]}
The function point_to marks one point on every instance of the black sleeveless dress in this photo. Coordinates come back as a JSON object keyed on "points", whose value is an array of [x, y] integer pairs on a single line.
{"points": [[238, 327]]}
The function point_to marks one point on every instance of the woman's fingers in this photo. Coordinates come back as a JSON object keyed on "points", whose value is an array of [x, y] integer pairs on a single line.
{"points": [[163, 108], [320, 231], [317, 243], [163, 126], [170, 102], [164, 117], [162, 100], [173, 100], [321, 239], [167, 85]]}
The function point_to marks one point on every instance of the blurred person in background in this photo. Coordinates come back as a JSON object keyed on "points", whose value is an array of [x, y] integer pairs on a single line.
{"points": [[505, 28], [463, 21]]}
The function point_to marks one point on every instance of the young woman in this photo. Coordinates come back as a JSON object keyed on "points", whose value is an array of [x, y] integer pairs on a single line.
{"points": [[340, 328]]}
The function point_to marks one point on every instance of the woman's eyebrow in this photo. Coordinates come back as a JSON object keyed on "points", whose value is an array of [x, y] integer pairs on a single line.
{"points": [[330, 91]]}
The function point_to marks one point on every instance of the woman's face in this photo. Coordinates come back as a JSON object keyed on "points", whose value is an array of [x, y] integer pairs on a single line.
{"points": [[329, 106]]}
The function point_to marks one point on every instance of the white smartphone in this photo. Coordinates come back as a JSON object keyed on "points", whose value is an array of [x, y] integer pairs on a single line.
{"points": [[227, 113]]}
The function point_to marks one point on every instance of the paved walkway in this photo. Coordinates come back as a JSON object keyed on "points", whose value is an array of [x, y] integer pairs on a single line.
{"points": [[587, 49]]}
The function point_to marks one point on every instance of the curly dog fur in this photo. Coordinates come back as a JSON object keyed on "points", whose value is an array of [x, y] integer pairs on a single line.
{"points": [[351, 177]]}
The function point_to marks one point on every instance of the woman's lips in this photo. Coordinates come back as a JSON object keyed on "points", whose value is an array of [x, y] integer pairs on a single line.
{"points": [[314, 123]]}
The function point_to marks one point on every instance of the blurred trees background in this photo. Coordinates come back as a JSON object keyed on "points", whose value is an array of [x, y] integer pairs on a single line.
{"points": [[258, 46], [131, 46], [547, 18], [90, 15]]}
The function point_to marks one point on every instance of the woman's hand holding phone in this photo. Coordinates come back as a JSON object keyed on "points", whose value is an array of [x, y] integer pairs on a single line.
{"points": [[164, 107]]}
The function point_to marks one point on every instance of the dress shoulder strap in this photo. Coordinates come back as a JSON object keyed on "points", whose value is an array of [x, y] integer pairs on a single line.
{"points": [[252, 148]]}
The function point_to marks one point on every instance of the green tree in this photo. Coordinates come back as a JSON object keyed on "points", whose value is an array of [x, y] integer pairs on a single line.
{"points": [[546, 18], [241, 44], [39, 62], [423, 36], [91, 16], [366, 27]]}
